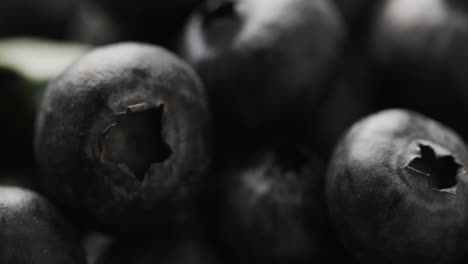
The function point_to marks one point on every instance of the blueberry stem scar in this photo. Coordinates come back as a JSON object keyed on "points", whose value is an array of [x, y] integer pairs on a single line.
{"points": [[134, 140], [441, 170]]}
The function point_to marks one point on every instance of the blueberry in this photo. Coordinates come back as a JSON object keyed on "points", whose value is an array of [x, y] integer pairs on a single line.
{"points": [[123, 138], [33, 231], [396, 190], [420, 50], [271, 209], [262, 60]]}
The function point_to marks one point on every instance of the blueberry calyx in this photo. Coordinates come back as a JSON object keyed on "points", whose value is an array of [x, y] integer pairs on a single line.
{"points": [[440, 167], [134, 141]]}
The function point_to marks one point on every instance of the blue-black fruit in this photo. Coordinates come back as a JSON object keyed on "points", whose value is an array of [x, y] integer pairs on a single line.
{"points": [[420, 49], [271, 209], [263, 60], [396, 190], [33, 231], [123, 138]]}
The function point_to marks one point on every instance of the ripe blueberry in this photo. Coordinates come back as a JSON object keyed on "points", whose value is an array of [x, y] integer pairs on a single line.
{"points": [[420, 50], [396, 190], [33, 231], [271, 210], [123, 138], [262, 60]]}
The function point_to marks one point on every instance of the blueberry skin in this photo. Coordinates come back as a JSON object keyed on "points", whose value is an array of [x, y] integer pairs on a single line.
{"points": [[263, 60], [396, 190], [271, 210], [123, 139], [419, 48], [33, 231]]}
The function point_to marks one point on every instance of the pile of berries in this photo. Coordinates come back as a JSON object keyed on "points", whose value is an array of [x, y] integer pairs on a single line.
{"points": [[240, 131]]}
